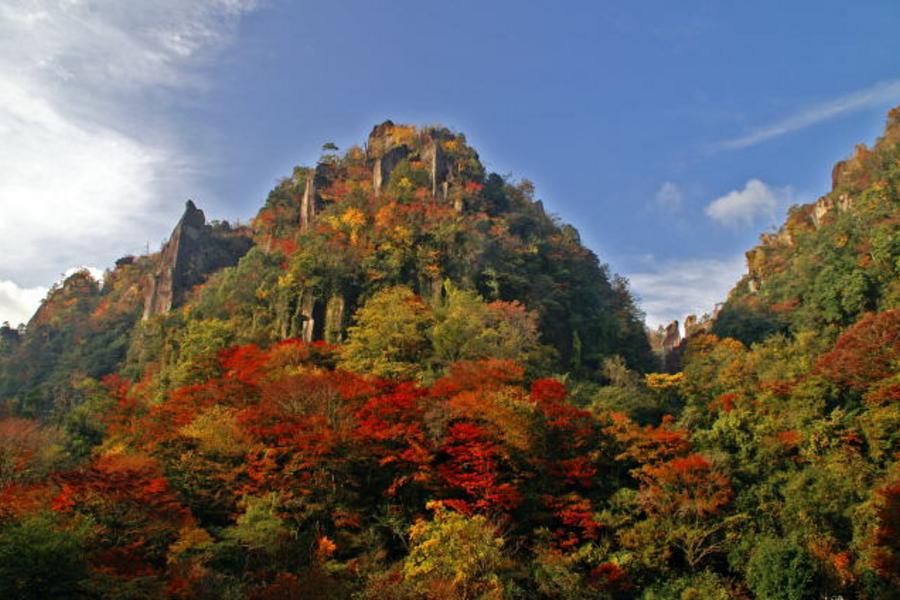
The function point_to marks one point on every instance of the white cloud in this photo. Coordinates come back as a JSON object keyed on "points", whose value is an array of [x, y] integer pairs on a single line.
{"points": [[883, 93], [673, 289], [92, 166], [744, 207], [18, 304], [669, 197], [68, 192]]}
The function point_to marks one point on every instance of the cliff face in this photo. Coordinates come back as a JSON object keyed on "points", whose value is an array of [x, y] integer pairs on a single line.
{"points": [[389, 144], [666, 339], [169, 279], [312, 201], [865, 176], [669, 345], [194, 250], [314, 316]]}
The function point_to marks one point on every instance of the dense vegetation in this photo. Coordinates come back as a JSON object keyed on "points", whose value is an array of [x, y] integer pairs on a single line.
{"points": [[80, 331], [487, 425]]}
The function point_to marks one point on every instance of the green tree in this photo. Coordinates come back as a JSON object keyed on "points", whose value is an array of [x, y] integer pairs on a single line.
{"points": [[700, 586], [260, 528], [455, 557], [467, 328], [781, 570], [198, 348], [40, 559], [390, 337]]}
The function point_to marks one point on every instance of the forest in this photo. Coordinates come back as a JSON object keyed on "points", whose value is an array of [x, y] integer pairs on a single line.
{"points": [[406, 379]]}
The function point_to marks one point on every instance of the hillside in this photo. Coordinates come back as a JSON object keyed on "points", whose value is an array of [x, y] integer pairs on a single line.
{"points": [[832, 260], [84, 327], [405, 380]]}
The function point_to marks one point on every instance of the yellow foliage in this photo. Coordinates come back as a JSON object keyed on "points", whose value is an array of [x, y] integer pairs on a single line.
{"points": [[663, 381], [356, 153], [189, 538], [455, 556], [216, 431], [286, 280], [332, 221], [353, 218], [403, 234], [403, 134], [117, 448]]}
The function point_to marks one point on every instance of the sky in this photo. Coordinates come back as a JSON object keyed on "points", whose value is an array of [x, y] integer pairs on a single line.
{"points": [[671, 134]]}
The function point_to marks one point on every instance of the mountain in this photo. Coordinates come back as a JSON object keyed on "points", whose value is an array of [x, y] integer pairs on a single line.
{"points": [[832, 260], [405, 380], [414, 208]]}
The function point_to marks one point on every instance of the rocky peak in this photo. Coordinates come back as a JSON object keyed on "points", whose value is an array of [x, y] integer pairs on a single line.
{"points": [[671, 337], [389, 144], [665, 338], [828, 204], [163, 285], [193, 251], [666, 343], [433, 155], [384, 137], [193, 217], [694, 325]]}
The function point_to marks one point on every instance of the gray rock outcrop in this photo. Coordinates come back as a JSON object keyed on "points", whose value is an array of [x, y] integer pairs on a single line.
{"points": [[193, 251]]}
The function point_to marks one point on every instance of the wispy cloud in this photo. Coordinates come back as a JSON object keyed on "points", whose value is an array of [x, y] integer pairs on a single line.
{"points": [[669, 197], [744, 207], [673, 289], [884, 92], [91, 160]]}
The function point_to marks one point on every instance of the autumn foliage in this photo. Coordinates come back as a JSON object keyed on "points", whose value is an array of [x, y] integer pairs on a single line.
{"points": [[866, 353], [478, 418]]}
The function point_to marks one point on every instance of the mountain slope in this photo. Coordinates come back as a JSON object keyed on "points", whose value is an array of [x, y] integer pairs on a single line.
{"points": [[832, 260]]}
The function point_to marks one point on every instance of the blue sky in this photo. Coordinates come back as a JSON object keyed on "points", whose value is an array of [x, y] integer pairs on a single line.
{"points": [[670, 133]]}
